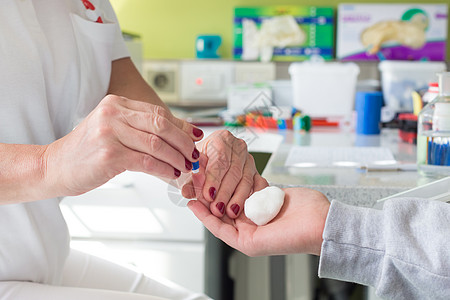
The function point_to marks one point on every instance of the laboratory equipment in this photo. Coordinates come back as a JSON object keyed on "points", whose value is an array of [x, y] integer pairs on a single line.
{"points": [[433, 138], [431, 93]]}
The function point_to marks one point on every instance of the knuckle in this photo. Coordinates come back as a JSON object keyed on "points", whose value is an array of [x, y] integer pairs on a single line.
{"points": [[148, 163], [155, 143], [110, 98], [222, 161], [106, 110], [160, 111], [103, 131], [160, 124], [241, 145], [225, 134], [107, 154]]}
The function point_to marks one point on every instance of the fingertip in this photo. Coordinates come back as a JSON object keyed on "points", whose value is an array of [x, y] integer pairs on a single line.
{"points": [[195, 154], [220, 206], [198, 133], [212, 193], [191, 203], [187, 190], [234, 211]]}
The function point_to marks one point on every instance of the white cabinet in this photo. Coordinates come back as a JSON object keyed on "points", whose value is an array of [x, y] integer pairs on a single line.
{"points": [[131, 220]]}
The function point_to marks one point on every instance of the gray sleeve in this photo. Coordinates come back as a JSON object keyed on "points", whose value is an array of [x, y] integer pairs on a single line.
{"points": [[403, 250]]}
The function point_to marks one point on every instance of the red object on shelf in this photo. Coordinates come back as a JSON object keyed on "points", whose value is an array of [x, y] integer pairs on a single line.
{"points": [[324, 122], [407, 127]]}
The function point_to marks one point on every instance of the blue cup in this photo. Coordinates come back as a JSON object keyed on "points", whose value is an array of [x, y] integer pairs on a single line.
{"points": [[368, 112]]}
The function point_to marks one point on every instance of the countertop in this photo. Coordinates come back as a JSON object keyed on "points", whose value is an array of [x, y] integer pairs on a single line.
{"points": [[351, 185]]}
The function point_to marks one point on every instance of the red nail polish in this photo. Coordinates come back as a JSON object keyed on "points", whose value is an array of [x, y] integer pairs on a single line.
{"points": [[212, 192], [195, 154], [197, 132], [221, 207], [176, 172], [235, 208], [187, 164]]}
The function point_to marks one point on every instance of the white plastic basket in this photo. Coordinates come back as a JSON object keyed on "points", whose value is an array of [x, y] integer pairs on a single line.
{"points": [[400, 78], [325, 89]]}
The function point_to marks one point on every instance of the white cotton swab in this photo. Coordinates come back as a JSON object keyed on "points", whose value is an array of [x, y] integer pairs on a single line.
{"points": [[264, 205]]}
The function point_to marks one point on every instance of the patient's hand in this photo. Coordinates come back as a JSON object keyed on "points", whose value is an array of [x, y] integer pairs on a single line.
{"points": [[227, 175], [296, 229]]}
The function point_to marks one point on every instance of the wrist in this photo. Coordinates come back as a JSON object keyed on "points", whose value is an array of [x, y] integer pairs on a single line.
{"points": [[42, 185], [51, 177], [23, 173], [323, 213]]}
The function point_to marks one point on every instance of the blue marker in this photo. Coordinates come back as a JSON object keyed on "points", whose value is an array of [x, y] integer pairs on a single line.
{"points": [[195, 167]]}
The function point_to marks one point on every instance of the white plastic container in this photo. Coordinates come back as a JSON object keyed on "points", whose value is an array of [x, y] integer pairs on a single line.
{"points": [[282, 92], [400, 78], [324, 89]]}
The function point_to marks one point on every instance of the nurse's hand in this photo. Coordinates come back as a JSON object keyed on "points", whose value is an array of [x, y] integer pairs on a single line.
{"points": [[227, 175], [297, 228], [120, 134]]}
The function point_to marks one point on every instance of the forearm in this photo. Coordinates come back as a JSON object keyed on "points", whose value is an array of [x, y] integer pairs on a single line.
{"points": [[22, 173], [405, 245], [127, 81]]}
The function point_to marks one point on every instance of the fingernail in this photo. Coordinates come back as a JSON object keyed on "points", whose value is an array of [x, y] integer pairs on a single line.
{"points": [[176, 172], [212, 192], [221, 207], [195, 154], [197, 132], [235, 208], [187, 164]]}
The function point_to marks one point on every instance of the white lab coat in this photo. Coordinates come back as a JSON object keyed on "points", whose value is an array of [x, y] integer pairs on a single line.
{"points": [[55, 67]]}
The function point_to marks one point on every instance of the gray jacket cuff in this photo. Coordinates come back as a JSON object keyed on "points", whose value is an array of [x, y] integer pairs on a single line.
{"points": [[353, 245]]}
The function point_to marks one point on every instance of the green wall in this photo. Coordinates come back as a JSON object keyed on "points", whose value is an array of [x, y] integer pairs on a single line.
{"points": [[169, 27]]}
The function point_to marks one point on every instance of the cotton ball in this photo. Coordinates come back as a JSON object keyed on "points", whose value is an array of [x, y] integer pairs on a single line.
{"points": [[264, 205]]}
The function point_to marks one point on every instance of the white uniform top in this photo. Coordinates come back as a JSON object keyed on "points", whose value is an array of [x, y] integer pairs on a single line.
{"points": [[55, 66]]}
